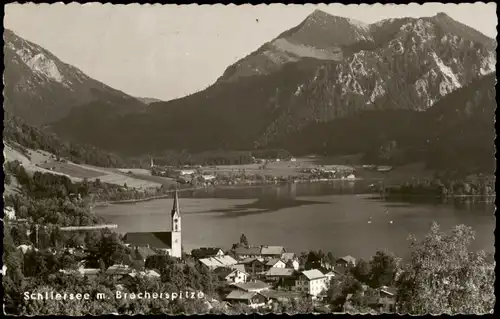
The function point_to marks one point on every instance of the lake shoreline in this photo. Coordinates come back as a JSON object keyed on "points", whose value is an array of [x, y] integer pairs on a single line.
{"points": [[250, 185]]}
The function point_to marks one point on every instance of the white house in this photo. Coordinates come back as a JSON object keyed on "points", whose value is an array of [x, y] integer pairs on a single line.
{"points": [[312, 282], [275, 263], [231, 275]]}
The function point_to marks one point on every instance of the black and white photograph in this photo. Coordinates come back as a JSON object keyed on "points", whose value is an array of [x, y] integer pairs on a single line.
{"points": [[249, 159]]}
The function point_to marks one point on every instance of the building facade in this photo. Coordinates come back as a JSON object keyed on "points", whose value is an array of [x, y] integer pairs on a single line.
{"points": [[168, 242]]}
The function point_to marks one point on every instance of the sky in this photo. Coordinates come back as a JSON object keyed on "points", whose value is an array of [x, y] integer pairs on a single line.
{"points": [[169, 51]]}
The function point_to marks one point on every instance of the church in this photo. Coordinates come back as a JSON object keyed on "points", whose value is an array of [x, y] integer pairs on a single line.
{"points": [[169, 242]]}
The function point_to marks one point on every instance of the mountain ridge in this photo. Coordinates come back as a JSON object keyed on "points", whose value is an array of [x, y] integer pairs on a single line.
{"points": [[42, 89], [405, 64]]}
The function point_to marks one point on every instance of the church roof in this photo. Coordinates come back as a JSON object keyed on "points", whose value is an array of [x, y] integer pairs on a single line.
{"points": [[160, 240]]}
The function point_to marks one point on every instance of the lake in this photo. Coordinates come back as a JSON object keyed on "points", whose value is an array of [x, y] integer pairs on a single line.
{"points": [[330, 216]]}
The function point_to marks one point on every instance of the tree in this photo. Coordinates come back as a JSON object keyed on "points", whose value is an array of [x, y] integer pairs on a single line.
{"points": [[445, 277], [362, 271], [244, 240], [313, 261], [383, 269]]}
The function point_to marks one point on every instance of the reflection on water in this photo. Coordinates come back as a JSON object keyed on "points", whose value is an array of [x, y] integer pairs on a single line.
{"points": [[329, 216]]}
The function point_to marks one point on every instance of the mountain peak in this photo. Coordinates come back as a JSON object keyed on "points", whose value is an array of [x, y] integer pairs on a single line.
{"points": [[442, 15]]}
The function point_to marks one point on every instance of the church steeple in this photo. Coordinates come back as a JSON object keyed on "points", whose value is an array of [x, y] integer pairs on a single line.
{"points": [[176, 228], [175, 206]]}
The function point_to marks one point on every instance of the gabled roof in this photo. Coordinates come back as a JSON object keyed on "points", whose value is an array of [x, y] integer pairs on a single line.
{"points": [[252, 286], [250, 261], [143, 252], [211, 262], [280, 272], [287, 256], [272, 250], [118, 270], [89, 271], [247, 251], [239, 267], [313, 274], [220, 261], [341, 270], [348, 259], [240, 295], [160, 240], [273, 262], [226, 260]]}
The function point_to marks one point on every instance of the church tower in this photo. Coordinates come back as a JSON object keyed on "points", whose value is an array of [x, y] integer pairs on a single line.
{"points": [[176, 228]]}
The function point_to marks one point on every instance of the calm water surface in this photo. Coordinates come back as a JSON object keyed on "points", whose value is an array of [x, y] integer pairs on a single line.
{"points": [[329, 216]]}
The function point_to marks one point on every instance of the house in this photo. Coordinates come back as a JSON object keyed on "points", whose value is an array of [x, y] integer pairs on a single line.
{"points": [[293, 263], [280, 272], [118, 271], [143, 252], [312, 282], [247, 252], [252, 286], [330, 275], [387, 299], [275, 263], [129, 279], [231, 275], [346, 261], [253, 266], [272, 251], [287, 256], [206, 252], [249, 298], [340, 271], [89, 272], [219, 261], [239, 267], [284, 277]]}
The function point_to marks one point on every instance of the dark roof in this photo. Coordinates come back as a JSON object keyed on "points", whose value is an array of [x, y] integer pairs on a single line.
{"points": [[240, 295], [205, 252], [272, 250], [143, 252], [280, 272], [247, 251], [341, 270], [161, 240], [250, 261]]}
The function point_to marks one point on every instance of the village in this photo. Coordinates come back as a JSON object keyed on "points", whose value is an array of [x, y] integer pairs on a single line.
{"points": [[262, 171]]}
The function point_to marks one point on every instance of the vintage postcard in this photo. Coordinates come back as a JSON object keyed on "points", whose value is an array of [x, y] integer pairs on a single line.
{"points": [[222, 159]]}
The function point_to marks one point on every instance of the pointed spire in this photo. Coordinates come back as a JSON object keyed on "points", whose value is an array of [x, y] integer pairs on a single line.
{"points": [[175, 207]]}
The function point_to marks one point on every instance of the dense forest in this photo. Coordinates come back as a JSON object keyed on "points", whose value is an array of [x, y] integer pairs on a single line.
{"points": [[18, 131]]}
